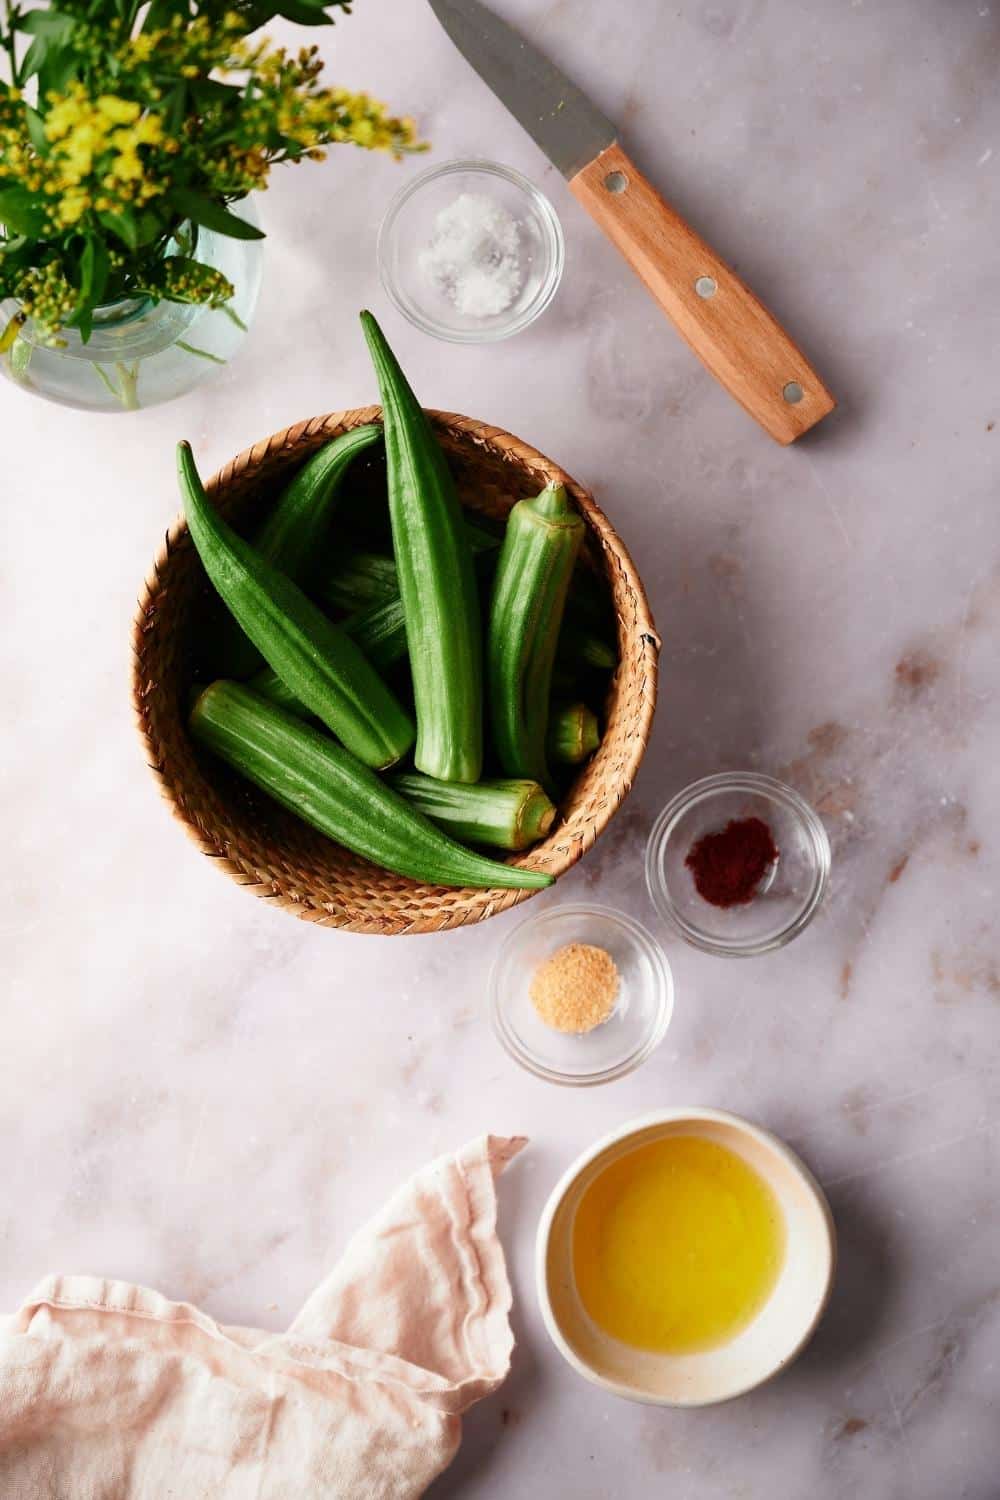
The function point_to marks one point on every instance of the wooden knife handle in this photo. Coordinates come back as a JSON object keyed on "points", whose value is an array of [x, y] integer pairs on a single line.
{"points": [[745, 348]]}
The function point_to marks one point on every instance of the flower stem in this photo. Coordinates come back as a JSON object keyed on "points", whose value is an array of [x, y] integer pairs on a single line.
{"points": [[127, 392], [103, 375], [129, 377], [9, 45], [233, 316], [201, 353], [20, 359]]}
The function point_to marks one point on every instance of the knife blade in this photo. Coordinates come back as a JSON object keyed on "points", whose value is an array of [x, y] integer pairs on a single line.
{"points": [[556, 114], [731, 331]]}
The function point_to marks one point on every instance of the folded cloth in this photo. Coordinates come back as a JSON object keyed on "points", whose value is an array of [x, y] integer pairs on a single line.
{"points": [[110, 1392]]}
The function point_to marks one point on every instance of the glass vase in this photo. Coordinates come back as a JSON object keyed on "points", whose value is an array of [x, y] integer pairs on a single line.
{"points": [[140, 352]]}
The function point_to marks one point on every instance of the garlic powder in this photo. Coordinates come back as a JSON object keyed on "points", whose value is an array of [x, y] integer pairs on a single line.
{"points": [[575, 989]]}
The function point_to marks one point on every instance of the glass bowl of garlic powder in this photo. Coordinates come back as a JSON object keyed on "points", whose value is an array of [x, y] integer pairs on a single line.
{"points": [[470, 251], [580, 994]]}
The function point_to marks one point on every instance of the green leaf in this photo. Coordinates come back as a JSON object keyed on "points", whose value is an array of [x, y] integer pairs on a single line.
{"points": [[94, 267], [149, 225], [19, 211], [122, 225], [212, 214], [56, 69], [302, 13], [208, 91], [85, 269], [172, 108], [34, 59], [49, 30], [50, 23], [36, 130]]}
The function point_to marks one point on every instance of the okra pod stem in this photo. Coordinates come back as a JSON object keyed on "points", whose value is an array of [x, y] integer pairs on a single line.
{"points": [[573, 734], [508, 814]]}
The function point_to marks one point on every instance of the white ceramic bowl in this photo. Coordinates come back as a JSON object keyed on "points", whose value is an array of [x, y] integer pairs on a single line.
{"points": [[766, 1346]]}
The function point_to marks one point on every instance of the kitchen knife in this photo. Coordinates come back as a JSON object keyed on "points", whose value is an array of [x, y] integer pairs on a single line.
{"points": [[745, 348]]}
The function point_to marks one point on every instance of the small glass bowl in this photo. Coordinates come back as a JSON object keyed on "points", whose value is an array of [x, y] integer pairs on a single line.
{"points": [[407, 230], [637, 1024], [791, 892]]}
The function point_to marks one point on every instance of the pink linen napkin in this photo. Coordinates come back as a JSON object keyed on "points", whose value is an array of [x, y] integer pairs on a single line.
{"points": [[110, 1392]]}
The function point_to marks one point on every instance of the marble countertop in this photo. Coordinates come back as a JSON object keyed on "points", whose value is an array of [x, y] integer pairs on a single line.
{"points": [[204, 1095]]}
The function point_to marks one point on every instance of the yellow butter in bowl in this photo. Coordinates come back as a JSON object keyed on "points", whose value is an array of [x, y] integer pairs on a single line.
{"points": [[685, 1258], [677, 1245]]}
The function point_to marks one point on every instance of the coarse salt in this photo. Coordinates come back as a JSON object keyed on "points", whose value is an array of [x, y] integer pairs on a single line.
{"points": [[473, 256]]}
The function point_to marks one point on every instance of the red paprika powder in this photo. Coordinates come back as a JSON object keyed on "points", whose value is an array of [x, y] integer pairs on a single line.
{"points": [[729, 866]]}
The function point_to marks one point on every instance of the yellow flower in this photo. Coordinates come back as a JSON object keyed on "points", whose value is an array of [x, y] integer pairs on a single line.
{"points": [[72, 206], [66, 113], [118, 111], [148, 131], [77, 152], [141, 48], [46, 296], [125, 166]]}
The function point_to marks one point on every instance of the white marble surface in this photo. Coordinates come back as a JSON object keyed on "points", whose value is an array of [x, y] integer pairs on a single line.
{"points": [[204, 1095]]}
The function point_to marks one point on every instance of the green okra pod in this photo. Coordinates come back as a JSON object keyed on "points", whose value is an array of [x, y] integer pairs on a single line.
{"points": [[506, 813], [317, 661], [322, 783], [529, 596], [573, 734], [436, 579], [291, 534]]}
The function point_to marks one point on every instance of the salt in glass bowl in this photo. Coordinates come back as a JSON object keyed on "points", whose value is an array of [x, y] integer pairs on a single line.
{"points": [[407, 230], [791, 891], [635, 1027]]}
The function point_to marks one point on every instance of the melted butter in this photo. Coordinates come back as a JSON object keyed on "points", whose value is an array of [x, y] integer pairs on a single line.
{"points": [[677, 1245]]}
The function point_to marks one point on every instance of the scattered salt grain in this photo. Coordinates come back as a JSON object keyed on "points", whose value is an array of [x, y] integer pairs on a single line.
{"points": [[474, 256]]}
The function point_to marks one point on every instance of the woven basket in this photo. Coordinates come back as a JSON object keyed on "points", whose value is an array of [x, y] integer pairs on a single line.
{"points": [[264, 847]]}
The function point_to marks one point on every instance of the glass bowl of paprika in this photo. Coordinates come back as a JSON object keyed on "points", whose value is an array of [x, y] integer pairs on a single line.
{"points": [[738, 864]]}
